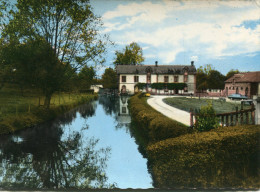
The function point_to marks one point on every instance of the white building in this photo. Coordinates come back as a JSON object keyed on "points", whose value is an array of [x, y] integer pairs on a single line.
{"points": [[130, 75], [96, 88]]}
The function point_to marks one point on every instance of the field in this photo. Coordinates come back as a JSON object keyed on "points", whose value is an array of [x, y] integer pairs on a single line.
{"points": [[185, 104], [13, 102]]}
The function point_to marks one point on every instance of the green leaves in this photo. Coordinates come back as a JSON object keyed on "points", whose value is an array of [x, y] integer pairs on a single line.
{"points": [[109, 79], [131, 55], [206, 119]]}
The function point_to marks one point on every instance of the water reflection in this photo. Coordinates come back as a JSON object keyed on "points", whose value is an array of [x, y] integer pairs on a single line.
{"points": [[84, 148], [42, 158]]}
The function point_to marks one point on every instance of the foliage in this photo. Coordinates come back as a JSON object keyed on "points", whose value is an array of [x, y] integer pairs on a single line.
{"points": [[216, 80], [131, 55], [109, 79], [153, 124], [209, 78], [86, 76], [231, 73], [170, 86], [206, 118], [70, 29], [221, 158], [141, 85]]}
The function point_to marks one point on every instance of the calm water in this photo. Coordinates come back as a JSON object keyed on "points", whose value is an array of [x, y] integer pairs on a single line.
{"points": [[90, 146]]}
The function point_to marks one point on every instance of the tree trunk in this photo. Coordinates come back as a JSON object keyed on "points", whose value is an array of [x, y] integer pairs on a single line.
{"points": [[47, 100]]}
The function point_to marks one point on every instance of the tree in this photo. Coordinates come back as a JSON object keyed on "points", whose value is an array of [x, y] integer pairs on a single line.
{"points": [[206, 69], [231, 73], [201, 81], [86, 76], [109, 79], [216, 80], [131, 55], [69, 27]]}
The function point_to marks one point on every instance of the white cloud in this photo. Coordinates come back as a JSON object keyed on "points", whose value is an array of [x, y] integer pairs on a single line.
{"points": [[194, 58], [201, 27]]}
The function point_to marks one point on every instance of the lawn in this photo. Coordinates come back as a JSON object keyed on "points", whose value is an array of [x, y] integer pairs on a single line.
{"points": [[13, 103], [185, 104]]}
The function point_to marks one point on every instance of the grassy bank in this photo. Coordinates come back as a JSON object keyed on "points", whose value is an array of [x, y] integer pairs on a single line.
{"points": [[180, 158], [19, 111]]}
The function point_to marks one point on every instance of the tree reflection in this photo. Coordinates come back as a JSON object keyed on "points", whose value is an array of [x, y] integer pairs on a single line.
{"points": [[110, 104], [44, 159]]}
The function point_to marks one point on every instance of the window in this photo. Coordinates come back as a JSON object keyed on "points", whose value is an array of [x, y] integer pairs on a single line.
{"points": [[241, 88], [136, 78], [123, 109], [166, 79], [185, 77], [185, 89], [229, 87], [123, 78], [176, 79]]}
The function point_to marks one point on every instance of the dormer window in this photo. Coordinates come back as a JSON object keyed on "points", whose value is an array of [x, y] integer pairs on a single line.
{"points": [[186, 76]]}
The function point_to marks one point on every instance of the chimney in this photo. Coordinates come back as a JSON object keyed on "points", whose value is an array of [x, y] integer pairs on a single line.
{"points": [[156, 63], [192, 63]]}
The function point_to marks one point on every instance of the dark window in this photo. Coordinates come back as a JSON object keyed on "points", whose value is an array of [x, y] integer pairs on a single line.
{"points": [[136, 78], [123, 78], [185, 89], [241, 88], [176, 79], [166, 79], [123, 109]]}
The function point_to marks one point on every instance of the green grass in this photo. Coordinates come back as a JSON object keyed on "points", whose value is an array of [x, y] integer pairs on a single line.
{"points": [[185, 104], [13, 103]]}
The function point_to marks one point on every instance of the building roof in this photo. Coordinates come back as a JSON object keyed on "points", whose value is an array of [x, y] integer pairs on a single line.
{"points": [[250, 77], [159, 69]]}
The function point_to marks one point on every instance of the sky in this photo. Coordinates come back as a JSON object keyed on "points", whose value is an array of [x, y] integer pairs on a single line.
{"points": [[225, 34]]}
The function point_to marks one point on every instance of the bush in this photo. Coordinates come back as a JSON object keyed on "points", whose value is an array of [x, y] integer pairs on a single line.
{"points": [[220, 158], [206, 119], [153, 124]]}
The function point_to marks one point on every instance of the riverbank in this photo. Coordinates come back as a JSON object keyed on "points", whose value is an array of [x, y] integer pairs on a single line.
{"points": [[19, 111], [222, 158]]}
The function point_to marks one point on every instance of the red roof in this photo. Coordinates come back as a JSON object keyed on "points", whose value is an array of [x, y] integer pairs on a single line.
{"points": [[250, 77]]}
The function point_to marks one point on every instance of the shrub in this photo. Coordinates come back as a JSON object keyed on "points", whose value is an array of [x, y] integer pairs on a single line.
{"points": [[220, 158], [206, 119], [153, 124]]}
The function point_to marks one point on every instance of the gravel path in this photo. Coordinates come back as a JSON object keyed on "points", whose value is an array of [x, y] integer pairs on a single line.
{"points": [[169, 111]]}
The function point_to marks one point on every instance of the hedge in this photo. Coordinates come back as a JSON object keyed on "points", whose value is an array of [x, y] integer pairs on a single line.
{"points": [[221, 158], [153, 125]]}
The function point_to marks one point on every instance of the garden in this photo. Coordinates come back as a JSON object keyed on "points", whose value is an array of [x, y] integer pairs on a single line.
{"points": [[207, 157]]}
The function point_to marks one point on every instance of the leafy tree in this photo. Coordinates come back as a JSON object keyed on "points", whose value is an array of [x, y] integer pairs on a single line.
{"points": [[206, 119], [231, 73], [69, 27], [131, 55], [216, 80], [201, 81], [109, 79], [206, 69], [86, 76]]}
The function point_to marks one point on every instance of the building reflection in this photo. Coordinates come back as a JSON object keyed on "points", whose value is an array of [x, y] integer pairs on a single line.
{"points": [[123, 117]]}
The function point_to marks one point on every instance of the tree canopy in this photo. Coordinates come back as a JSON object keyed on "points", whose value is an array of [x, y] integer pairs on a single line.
{"points": [[231, 73], [69, 28], [109, 79], [131, 55]]}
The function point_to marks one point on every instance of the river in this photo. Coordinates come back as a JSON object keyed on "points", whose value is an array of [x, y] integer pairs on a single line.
{"points": [[89, 147]]}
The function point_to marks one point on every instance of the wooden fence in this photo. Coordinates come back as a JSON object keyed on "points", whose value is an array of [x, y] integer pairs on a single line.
{"points": [[232, 118]]}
